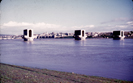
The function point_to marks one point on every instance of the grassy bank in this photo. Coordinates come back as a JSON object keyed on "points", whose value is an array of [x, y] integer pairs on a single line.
{"points": [[18, 74]]}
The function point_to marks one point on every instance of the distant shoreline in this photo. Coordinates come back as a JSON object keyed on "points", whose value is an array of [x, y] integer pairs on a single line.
{"points": [[128, 34], [12, 73]]}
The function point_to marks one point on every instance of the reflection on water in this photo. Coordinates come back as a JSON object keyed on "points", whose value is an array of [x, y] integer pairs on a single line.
{"points": [[80, 42], [122, 42], [28, 42], [99, 57], [119, 42]]}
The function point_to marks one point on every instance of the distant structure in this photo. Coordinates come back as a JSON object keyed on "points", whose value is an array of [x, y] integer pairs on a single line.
{"points": [[118, 35], [28, 35], [80, 35]]}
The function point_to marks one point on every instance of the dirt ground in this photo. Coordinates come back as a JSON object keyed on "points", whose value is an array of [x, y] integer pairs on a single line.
{"points": [[19, 74]]}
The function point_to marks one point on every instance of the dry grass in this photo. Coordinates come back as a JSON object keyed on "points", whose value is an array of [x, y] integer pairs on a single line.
{"points": [[18, 74]]}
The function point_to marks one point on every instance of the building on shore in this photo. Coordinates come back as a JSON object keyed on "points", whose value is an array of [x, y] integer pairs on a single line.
{"points": [[80, 35], [118, 34], [28, 35]]}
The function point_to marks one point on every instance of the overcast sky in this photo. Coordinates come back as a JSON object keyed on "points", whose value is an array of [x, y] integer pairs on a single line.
{"points": [[65, 15]]}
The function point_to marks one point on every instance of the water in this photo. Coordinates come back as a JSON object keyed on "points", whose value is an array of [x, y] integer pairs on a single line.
{"points": [[97, 57]]}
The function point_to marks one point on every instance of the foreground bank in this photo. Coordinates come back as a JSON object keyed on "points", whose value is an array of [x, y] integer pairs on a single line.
{"points": [[19, 74]]}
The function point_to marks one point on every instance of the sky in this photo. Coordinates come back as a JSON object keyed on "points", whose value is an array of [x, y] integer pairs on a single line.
{"points": [[65, 15]]}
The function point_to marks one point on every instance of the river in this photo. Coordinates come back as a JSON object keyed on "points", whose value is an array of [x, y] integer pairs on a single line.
{"points": [[96, 57]]}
